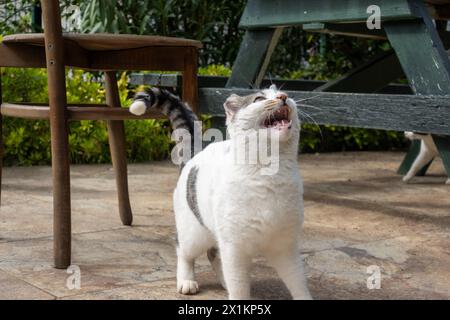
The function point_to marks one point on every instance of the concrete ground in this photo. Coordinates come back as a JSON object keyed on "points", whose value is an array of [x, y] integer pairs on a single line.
{"points": [[358, 214]]}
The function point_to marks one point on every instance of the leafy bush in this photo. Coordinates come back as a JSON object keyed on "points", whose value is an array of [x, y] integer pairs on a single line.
{"points": [[27, 142]]}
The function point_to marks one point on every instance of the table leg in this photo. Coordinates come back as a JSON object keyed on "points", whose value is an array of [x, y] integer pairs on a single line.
{"points": [[422, 56], [253, 57]]}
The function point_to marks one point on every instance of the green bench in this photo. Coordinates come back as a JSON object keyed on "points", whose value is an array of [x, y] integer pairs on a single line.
{"points": [[361, 97]]}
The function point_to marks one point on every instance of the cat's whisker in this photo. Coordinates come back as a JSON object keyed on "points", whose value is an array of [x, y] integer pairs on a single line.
{"points": [[270, 106], [309, 98], [308, 106], [312, 119], [270, 79]]}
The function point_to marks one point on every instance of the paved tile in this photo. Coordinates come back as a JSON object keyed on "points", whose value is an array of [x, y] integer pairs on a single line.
{"points": [[358, 214]]}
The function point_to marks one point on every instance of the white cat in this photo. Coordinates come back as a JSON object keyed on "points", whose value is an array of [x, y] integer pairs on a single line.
{"points": [[428, 151], [231, 210]]}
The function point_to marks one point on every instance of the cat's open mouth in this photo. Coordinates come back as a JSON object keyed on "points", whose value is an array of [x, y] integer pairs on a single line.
{"points": [[280, 119]]}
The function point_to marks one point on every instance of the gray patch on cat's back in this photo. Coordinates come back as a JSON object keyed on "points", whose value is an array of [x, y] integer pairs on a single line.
{"points": [[191, 194]]}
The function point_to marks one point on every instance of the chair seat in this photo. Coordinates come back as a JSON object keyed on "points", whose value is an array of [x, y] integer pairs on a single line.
{"points": [[105, 41], [75, 112]]}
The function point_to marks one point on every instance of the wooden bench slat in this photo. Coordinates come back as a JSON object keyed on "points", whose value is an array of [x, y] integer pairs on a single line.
{"points": [[376, 111], [75, 112]]}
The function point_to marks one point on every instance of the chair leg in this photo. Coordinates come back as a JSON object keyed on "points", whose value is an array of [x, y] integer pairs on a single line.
{"points": [[116, 132], [54, 51], [1, 142], [190, 85], [61, 199]]}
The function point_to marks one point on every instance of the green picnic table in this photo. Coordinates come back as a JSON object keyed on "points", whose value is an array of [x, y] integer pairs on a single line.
{"points": [[417, 33]]}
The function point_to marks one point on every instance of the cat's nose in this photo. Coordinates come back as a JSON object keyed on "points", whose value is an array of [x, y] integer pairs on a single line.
{"points": [[282, 96]]}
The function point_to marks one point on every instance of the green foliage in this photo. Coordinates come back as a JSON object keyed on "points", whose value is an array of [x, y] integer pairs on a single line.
{"points": [[331, 138], [28, 142], [215, 70], [15, 16], [215, 23]]}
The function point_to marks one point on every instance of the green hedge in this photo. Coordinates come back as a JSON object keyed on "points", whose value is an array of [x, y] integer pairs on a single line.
{"points": [[27, 142]]}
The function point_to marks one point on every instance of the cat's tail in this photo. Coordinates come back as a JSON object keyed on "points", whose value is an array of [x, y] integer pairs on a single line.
{"points": [[178, 112]]}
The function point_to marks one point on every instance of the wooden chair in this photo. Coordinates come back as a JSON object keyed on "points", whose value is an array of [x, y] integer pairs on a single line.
{"points": [[55, 50]]}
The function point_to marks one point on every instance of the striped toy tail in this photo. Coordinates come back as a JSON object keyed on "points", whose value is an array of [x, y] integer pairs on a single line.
{"points": [[178, 113]]}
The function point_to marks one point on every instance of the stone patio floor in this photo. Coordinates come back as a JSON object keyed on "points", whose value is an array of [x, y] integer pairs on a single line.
{"points": [[358, 213]]}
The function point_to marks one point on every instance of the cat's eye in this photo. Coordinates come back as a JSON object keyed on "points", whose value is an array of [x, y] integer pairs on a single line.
{"points": [[259, 98]]}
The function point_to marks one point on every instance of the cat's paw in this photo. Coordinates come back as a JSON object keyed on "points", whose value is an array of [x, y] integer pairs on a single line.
{"points": [[187, 287], [406, 179], [138, 108], [409, 135], [305, 296], [448, 181]]}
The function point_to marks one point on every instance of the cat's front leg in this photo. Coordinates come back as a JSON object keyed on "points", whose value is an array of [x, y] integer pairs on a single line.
{"points": [[235, 266], [289, 265], [186, 283], [423, 158]]}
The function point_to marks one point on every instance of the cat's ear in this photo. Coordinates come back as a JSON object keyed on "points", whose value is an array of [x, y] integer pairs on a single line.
{"points": [[232, 106]]}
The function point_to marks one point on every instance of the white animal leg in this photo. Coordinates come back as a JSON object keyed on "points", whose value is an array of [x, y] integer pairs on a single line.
{"points": [[193, 240], [186, 283], [192, 243], [216, 263], [289, 265], [425, 155], [236, 272]]}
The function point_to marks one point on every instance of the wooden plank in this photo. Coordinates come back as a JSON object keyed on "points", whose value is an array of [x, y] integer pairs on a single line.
{"points": [[421, 53], [59, 130], [174, 81], [371, 76], [423, 58], [75, 112], [1, 139], [377, 111], [345, 29], [262, 13], [106, 41], [118, 149], [20, 55], [29, 56], [253, 57], [443, 145], [151, 58], [190, 82]]}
